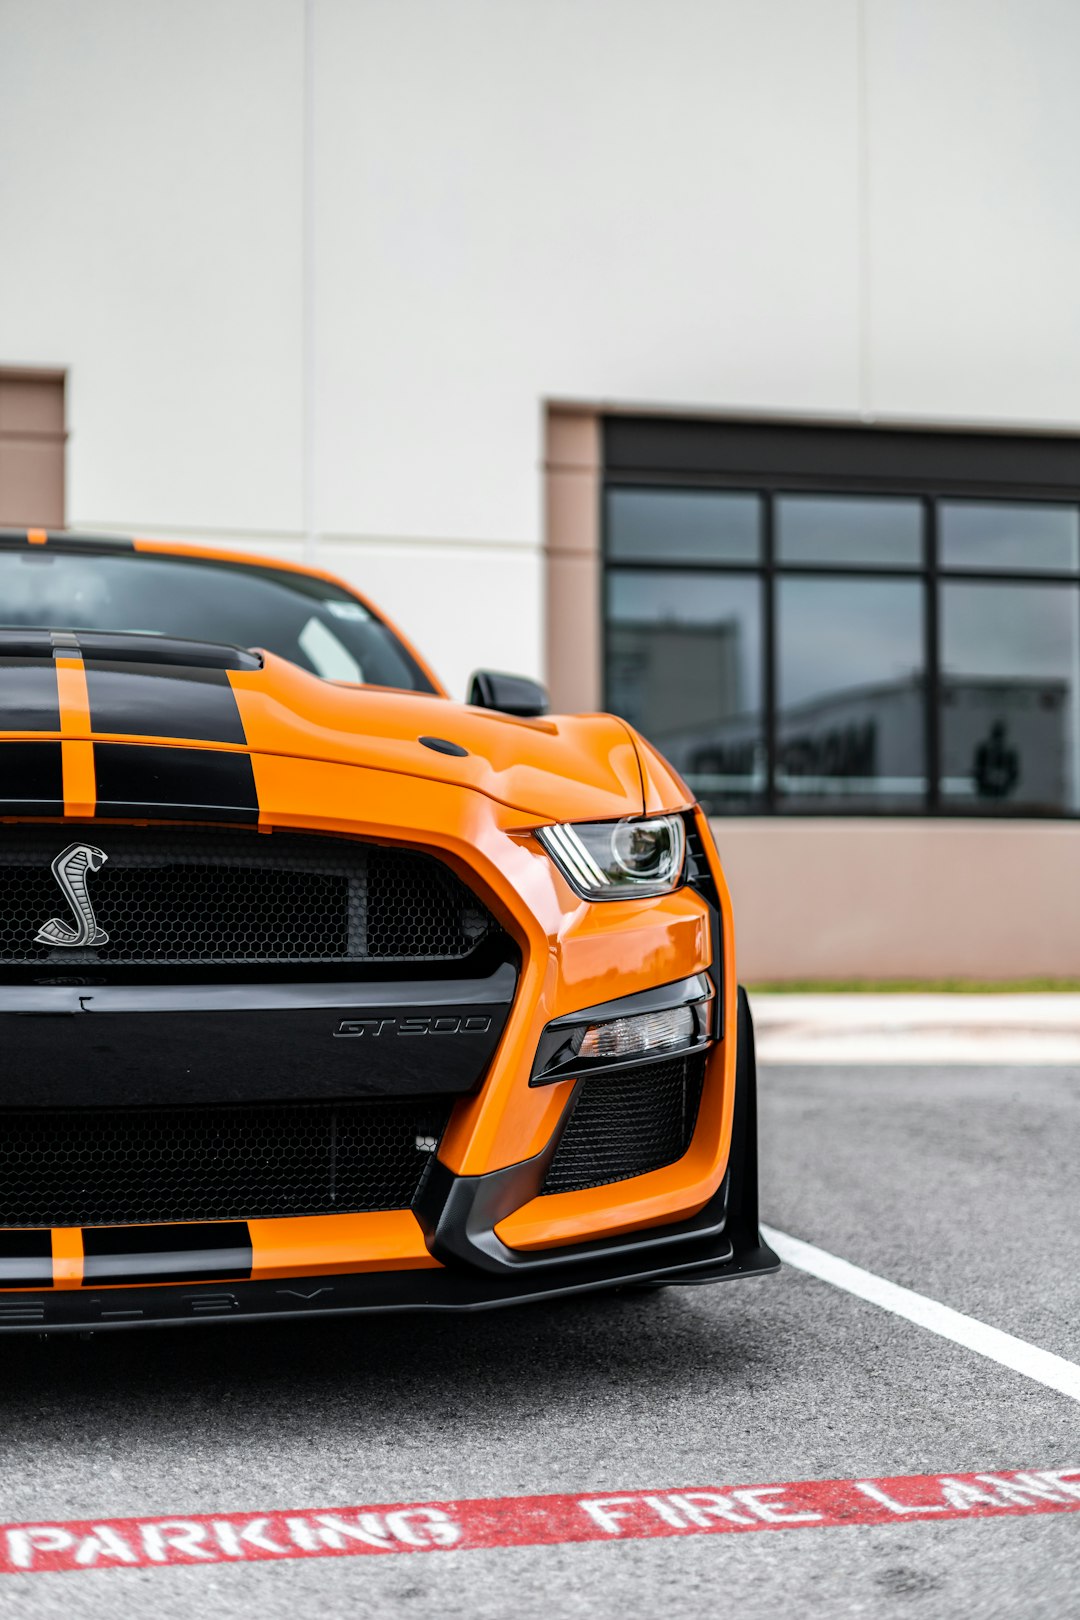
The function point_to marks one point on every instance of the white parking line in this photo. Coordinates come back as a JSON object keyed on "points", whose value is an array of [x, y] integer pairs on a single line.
{"points": [[1041, 1365]]}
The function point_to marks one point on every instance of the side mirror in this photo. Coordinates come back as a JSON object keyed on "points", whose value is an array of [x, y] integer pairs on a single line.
{"points": [[510, 694]]}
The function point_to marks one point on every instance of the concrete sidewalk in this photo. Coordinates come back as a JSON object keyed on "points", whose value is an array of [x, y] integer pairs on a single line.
{"points": [[1015, 1029]]}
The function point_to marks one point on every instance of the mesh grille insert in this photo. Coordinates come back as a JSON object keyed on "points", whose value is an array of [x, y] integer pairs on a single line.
{"points": [[626, 1124], [104, 1167], [176, 895]]}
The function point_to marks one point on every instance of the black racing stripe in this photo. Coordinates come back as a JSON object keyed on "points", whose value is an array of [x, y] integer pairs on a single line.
{"points": [[29, 700], [31, 779], [196, 1251], [17, 539], [137, 781], [25, 1257], [26, 644], [156, 700], [57, 540]]}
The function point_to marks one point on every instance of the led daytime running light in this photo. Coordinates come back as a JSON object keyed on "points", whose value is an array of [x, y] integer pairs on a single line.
{"points": [[616, 860]]}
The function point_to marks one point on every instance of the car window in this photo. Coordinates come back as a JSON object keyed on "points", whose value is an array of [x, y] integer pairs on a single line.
{"points": [[310, 621]]}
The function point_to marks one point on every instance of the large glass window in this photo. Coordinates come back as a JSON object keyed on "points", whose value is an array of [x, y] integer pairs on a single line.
{"points": [[1014, 536], [845, 620], [684, 526], [850, 693], [1010, 675], [684, 665], [866, 533]]}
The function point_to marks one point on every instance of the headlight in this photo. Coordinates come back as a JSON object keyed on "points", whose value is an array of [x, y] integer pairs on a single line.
{"points": [[617, 860]]}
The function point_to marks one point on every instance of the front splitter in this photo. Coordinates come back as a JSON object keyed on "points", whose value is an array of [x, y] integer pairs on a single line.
{"points": [[364, 1293]]}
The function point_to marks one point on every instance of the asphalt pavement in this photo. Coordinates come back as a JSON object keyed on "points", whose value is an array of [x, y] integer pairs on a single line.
{"points": [[958, 1182]]}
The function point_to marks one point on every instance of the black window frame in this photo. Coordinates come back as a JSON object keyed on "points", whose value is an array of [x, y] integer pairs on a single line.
{"points": [[770, 460]]}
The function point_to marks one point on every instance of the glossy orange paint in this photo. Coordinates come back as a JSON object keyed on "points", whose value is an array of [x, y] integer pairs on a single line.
{"points": [[329, 1245], [675, 1192], [67, 1256]]}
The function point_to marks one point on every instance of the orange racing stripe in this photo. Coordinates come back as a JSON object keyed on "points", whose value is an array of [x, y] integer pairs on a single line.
{"points": [[80, 786], [67, 1248]]}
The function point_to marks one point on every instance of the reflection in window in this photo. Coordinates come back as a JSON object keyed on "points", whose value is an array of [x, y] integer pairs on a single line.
{"points": [[326, 654], [870, 532], [991, 535], [684, 666], [850, 693], [1010, 673], [683, 525]]}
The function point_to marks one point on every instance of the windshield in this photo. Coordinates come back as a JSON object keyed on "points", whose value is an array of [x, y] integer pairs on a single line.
{"points": [[310, 621]]}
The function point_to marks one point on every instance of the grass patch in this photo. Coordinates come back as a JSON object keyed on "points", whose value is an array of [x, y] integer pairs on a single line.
{"points": [[877, 987]]}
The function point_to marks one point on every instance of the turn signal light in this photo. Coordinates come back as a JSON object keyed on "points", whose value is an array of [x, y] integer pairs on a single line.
{"points": [[639, 1036]]}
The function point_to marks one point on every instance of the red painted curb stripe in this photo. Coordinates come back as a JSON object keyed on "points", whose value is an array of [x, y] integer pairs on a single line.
{"points": [[529, 1521]]}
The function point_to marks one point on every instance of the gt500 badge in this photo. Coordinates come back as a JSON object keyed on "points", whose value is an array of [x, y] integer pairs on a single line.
{"points": [[444, 1024]]}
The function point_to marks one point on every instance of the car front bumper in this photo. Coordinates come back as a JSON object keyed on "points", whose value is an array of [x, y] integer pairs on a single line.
{"points": [[467, 1266]]}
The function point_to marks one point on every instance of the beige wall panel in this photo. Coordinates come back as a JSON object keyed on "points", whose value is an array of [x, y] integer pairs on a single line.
{"points": [[572, 559], [573, 439], [32, 483], [31, 404], [891, 899], [573, 647], [572, 511]]}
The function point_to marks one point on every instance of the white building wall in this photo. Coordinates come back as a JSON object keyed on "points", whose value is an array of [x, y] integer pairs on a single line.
{"points": [[800, 206], [150, 170]]}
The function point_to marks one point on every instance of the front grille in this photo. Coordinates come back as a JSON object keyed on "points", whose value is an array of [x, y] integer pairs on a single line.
{"points": [[626, 1124], [105, 1167], [167, 895]]}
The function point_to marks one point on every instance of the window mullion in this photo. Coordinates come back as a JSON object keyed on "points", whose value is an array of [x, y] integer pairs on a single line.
{"points": [[768, 643], [932, 683]]}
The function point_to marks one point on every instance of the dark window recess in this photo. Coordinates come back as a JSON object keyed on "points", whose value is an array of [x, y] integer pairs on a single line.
{"points": [[169, 895], [104, 1167], [624, 1125], [830, 620]]}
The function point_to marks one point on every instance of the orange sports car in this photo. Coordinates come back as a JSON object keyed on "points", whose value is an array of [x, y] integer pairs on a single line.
{"points": [[322, 993]]}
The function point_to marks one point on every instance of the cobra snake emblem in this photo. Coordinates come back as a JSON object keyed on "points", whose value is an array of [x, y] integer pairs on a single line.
{"points": [[70, 869]]}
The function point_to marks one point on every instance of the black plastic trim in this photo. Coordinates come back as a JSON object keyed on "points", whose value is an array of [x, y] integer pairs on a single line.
{"points": [[262, 996], [146, 1045], [373, 1293]]}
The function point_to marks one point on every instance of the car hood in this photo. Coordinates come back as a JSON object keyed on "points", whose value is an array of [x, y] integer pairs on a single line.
{"points": [[558, 768]]}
